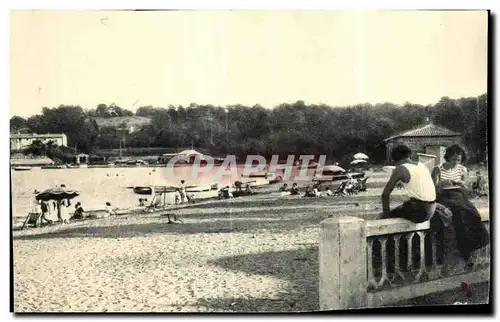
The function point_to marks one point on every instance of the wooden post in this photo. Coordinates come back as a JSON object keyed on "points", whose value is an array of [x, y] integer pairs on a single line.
{"points": [[342, 264]]}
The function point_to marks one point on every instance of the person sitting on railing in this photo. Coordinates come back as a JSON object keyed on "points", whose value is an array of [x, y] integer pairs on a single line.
{"points": [[419, 186], [449, 179]]}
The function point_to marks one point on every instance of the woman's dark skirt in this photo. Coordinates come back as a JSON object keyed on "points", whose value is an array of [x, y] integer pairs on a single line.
{"points": [[470, 232]]}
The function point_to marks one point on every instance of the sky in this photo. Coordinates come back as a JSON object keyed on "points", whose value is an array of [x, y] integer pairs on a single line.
{"points": [[166, 58]]}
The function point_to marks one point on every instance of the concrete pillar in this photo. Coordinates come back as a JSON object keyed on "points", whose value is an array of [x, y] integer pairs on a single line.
{"points": [[342, 264]]}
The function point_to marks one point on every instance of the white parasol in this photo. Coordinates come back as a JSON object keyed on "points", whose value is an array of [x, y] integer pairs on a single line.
{"points": [[358, 161], [360, 156]]}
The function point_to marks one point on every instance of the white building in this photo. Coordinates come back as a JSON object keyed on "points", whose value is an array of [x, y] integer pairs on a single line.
{"points": [[21, 141]]}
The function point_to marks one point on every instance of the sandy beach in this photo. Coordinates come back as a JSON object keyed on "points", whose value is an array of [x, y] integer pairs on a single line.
{"points": [[251, 254]]}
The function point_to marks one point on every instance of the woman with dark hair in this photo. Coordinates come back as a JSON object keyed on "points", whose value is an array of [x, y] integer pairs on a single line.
{"points": [[450, 180]]}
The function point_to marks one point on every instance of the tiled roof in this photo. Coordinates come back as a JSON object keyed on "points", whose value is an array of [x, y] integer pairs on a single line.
{"points": [[427, 130]]}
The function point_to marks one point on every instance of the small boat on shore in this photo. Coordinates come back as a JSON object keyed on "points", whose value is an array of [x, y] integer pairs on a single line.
{"points": [[61, 166], [202, 188], [21, 168], [148, 190]]}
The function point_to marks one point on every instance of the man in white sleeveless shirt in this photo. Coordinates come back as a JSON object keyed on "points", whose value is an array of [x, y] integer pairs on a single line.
{"points": [[417, 181]]}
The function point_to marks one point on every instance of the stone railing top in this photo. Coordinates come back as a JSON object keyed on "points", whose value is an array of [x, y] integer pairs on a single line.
{"points": [[399, 225]]}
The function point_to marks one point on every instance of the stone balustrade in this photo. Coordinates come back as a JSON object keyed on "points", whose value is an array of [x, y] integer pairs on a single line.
{"points": [[371, 263]]}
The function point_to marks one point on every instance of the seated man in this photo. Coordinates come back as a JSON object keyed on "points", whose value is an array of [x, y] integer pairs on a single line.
{"points": [[190, 197], [309, 192], [349, 186], [295, 190], [248, 189], [284, 187], [79, 212], [418, 183], [316, 190], [109, 210], [239, 185]]}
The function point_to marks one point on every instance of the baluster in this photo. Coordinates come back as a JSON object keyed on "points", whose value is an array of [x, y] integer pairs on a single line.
{"points": [[383, 252], [397, 264], [371, 278], [409, 264], [435, 271], [421, 269]]}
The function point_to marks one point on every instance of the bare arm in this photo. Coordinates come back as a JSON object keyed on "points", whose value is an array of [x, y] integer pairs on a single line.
{"points": [[464, 175], [399, 174]]}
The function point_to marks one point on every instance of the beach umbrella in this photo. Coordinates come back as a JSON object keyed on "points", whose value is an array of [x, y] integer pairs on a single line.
{"points": [[358, 161], [361, 156], [57, 193]]}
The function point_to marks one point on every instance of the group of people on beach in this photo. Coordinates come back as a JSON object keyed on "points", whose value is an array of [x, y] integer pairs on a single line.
{"points": [[347, 187], [181, 195], [440, 195], [59, 211], [226, 193]]}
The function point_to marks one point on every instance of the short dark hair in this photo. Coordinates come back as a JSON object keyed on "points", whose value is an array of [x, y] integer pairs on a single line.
{"points": [[400, 152], [455, 150]]}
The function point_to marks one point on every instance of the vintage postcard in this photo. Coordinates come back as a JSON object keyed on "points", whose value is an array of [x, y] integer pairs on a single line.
{"points": [[248, 161]]}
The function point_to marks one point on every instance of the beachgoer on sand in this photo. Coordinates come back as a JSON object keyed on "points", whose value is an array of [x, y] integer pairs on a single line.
{"points": [[349, 187], [316, 190], [177, 196], [182, 191], [284, 188], [79, 212], [294, 190], [248, 189], [110, 211], [239, 185], [45, 211], [36, 207], [309, 192], [190, 197], [63, 210], [142, 202], [225, 193]]}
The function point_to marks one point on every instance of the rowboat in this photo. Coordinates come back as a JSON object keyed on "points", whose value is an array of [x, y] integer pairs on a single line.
{"points": [[148, 190], [201, 188], [21, 168]]}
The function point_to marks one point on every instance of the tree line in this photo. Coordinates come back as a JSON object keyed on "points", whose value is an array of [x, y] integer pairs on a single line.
{"points": [[296, 128]]}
